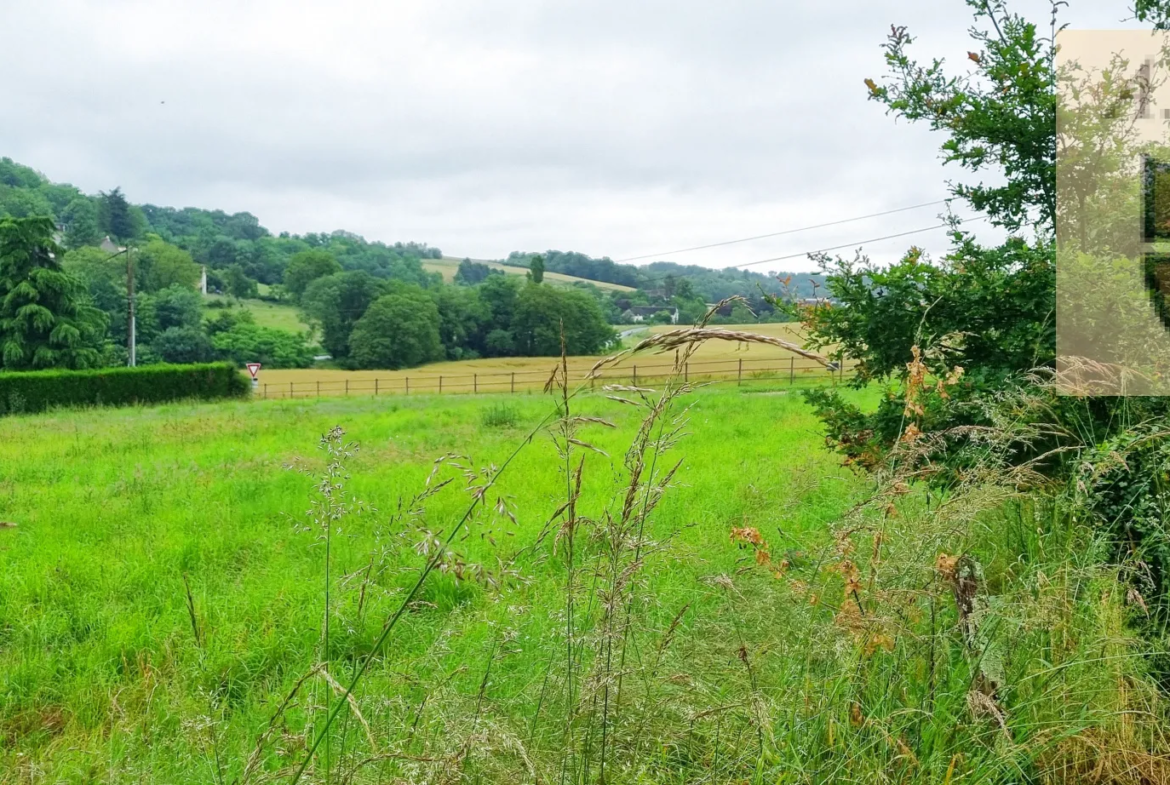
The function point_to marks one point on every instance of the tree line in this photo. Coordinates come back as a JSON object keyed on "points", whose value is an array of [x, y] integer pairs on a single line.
{"points": [[74, 242]]}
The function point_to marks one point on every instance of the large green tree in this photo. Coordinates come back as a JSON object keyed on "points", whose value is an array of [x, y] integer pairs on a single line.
{"points": [[542, 311], [160, 264], [80, 218], [988, 310], [306, 267], [116, 218], [400, 330], [45, 320], [336, 302]]}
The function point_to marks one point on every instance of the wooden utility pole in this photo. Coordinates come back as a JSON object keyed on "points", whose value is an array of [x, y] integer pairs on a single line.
{"points": [[133, 337]]}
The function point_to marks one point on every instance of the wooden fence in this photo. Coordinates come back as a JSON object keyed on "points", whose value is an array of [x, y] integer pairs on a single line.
{"points": [[739, 371]]}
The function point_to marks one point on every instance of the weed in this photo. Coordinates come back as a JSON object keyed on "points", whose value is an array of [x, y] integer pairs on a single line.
{"points": [[499, 415]]}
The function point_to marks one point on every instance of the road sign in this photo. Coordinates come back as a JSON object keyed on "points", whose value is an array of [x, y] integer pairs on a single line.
{"points": [[253, 368]]}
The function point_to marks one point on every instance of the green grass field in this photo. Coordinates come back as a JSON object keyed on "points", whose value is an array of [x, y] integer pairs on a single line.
{"points": [[163, 598], [278, 316]]}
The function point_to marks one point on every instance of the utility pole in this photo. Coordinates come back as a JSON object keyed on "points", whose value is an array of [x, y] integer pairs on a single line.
{"points": [[132, 338], [133, 318]]}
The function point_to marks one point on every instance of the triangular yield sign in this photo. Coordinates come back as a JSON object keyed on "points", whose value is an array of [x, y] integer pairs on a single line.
{"points": [[253, 368]]}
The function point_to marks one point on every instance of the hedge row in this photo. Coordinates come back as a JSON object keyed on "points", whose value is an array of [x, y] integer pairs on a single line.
{"points": [[37, 391]]}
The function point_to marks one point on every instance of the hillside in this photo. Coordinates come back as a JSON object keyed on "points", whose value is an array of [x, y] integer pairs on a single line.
{"points": [[711, 284], [277, 316], [449, 265]]}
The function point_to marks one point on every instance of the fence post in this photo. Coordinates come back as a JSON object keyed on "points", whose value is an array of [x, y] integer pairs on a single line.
{"points": [[408, 385], [440, 383], [266, 390], [347, 386], [475, 382], [739, 373], [290, 389], [635, 377], [375, 386], [318, 388], [513, 381], [792, 370]]}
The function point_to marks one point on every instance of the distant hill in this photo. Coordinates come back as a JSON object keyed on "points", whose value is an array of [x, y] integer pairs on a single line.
{"points": [[709, 283], [222, 240], [217, 239], [449, 265]]}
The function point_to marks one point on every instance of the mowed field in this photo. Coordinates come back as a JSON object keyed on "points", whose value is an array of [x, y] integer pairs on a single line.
{"points": [[449, 266], [716, 359], [162, 588]]}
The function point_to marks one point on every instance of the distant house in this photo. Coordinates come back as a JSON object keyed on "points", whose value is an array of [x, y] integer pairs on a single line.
{"points": [[109, 246], [642, 313]]}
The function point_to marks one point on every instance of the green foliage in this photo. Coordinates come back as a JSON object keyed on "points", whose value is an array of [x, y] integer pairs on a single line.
{"points": [[44, 319], [227, 318], [988, 312], [41, 390], [398, 330], [471, 273], [306, 267], [182, 345], [536, 269], [580, 266], [1001, 117], [239, 285], [80, 219], [336, 302], [462, 318], [1156, 12], [115, 217], [160, 265], [1125, 484], [542, 311], [176, 306], [244, 342], [990, 309], [499, 415]]}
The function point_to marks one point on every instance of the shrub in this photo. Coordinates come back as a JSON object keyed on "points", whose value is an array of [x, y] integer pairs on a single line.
{"points": [[245, 342], [183, 345], [37, 391], [499, 415]]}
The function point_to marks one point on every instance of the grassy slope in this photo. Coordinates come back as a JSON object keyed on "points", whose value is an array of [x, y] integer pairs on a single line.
{"points": [[448, 266], [278, 316]]}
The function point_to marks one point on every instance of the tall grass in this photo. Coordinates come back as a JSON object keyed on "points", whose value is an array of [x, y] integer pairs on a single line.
{"points": [[718, 603]]}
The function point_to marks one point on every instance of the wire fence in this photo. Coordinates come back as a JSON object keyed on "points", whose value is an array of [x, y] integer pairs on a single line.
{"points": [[737, 371]]}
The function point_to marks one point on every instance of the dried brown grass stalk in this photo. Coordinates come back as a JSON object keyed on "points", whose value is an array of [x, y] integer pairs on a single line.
{"points": [[349, 698]]}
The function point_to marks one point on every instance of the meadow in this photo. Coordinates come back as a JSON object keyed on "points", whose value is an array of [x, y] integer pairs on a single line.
{"points": [[644, 588], [276, 316]]}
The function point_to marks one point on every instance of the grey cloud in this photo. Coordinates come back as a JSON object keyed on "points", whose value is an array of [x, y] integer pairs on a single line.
{"points": [[483, 127]]}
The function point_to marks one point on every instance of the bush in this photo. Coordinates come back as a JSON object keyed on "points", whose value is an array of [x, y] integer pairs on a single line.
{"points": [[37, 391], [500, 415], [182, 345], [245, 342]]}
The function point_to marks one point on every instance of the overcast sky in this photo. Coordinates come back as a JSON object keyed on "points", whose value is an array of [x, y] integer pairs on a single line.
{"points": [[611, 127]]}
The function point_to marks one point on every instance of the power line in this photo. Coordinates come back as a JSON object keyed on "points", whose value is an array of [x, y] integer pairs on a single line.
{"points": [[853, 244], [786, 231], [662, 278]]}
